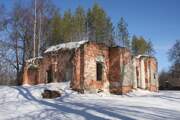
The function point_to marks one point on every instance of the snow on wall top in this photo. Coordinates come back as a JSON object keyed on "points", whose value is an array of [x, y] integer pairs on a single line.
{"points": [[138, 56], [33, 59], [69, 45]]}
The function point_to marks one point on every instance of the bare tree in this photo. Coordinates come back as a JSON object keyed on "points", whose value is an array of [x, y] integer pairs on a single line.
{"points": [[20, 33]]}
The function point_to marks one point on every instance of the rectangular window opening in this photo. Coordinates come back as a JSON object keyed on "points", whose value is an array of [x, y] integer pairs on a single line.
{"points": [[99, 71]]}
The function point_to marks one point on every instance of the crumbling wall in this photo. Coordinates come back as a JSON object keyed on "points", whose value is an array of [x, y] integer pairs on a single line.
{"points": [[93, 54], [135, 73], [126, 67], [32, 71], [121, 73], [60, 63], [85, 67], [146, 72], [114, 71], [76, 83], [153, 75]]}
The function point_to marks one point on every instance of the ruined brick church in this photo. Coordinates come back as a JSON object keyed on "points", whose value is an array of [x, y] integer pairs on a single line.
{"points": [[94, 67]]}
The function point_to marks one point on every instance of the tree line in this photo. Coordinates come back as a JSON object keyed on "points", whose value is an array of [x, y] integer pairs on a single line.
{"points": [[170, 79], [30, 27]]}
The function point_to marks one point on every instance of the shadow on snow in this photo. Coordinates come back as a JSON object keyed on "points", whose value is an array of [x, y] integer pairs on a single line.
{"points": [[60, 108]]}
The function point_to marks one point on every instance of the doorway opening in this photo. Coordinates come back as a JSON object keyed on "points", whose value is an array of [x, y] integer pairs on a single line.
{"points": [[49, 73], [69, 72]]}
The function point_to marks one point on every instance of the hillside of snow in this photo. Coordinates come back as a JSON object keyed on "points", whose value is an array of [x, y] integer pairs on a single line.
{"points": [[26, 103]]}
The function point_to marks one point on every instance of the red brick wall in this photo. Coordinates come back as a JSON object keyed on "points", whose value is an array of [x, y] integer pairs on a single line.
{"points": [[126, 89], [153, 88], [150, 68], [114, 71], [75, 83], [83, 62], [85, 67], [58, 62], [92, 53], [114, 64], [119, 57], [154, 69]]}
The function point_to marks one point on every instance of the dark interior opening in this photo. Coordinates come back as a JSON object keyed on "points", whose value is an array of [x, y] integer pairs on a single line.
{"points": [[137, 76], [49, 74], [167, 84], [154, 75], [69, 72], [99, 71]]}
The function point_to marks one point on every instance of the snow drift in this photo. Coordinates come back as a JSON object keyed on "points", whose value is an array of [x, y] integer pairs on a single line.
{"points": [[26, 103]]}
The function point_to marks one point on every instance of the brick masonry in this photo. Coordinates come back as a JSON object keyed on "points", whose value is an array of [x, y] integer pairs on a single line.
{"points": [[121, 71]]}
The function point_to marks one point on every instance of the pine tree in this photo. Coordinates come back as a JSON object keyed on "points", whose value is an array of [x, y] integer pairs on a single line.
{"points": [[97, 23], [67, 26], [109, 39], [150, 49], [122, 33], [141, 46], [79, 23], [56, 31]]}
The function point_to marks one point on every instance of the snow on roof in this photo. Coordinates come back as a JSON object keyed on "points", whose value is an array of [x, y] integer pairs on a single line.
{"points": [[69, 45], [33, 59], [138, 56]]}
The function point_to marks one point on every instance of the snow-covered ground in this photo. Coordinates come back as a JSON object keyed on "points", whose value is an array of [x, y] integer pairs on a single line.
{"points": [[25, 103]]}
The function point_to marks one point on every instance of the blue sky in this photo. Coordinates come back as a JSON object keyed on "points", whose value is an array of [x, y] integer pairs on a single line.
{"points": [[157, 20]]}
